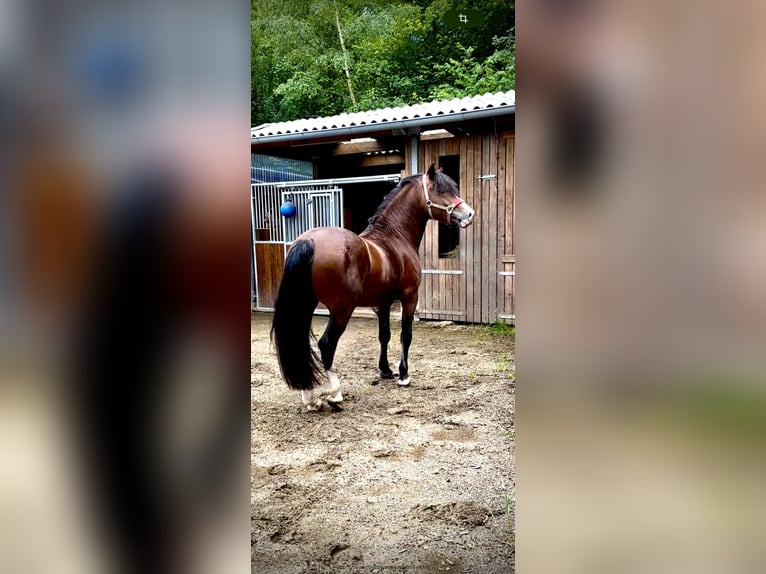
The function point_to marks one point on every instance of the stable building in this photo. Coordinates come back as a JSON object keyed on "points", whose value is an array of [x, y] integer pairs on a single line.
{"points": [[336, 170]]}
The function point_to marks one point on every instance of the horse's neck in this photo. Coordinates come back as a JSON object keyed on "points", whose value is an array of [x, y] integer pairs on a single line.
{"points": [[401, 221]]}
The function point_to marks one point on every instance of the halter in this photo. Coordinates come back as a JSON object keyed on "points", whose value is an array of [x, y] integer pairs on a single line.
{"points": [[429, 204]]}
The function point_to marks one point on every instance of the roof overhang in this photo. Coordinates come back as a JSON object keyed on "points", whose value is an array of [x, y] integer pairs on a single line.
{"points": [[397, 128]]}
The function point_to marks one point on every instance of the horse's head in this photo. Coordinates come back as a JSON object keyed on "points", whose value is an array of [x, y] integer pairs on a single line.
{"points": [[443, 201]]}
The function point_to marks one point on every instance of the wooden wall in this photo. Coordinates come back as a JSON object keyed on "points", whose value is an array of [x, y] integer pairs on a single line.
{"points": [[269, 262], [506, 288], [478, 285]]}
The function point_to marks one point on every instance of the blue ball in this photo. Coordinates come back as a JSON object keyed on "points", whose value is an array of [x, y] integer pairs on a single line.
{"points": [[288, 209]]}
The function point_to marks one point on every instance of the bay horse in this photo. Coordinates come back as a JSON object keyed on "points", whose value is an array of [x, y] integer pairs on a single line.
{"points": [[344, 270]]}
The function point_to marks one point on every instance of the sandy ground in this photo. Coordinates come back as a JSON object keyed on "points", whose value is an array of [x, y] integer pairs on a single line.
{"points": [[416, 479]]}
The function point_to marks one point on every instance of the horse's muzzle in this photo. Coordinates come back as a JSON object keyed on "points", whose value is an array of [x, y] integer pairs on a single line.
{"points": [[464, 215]]}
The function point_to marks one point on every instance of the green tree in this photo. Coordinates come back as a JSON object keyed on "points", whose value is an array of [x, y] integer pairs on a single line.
{"points": [[469, 76], [398, 52]]}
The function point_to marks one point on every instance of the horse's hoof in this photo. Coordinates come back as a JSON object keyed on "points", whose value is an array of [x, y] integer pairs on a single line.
{"points": [[404, 382], [335, 406], [386, 374], [316, 407]]}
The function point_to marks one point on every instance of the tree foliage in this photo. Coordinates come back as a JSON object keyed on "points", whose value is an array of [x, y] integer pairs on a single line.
{"points": [[399, 52]]}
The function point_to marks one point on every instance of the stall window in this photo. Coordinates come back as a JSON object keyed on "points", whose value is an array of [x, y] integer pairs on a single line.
{"points": [[449, 237]]}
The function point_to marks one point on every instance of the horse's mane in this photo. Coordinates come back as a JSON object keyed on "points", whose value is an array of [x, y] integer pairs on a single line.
{"points": [[390, 197], [442, 183]]}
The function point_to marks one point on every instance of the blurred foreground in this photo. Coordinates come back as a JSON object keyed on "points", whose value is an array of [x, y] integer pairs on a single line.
{"points": [[124, 321], [642, 317]]}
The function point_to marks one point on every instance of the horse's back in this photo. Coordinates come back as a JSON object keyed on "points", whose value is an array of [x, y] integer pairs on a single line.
{"points": [[334, 245]]}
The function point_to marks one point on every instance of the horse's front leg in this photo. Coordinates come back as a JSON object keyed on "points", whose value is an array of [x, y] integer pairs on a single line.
{"points": [[384, 336], [408, 315]]}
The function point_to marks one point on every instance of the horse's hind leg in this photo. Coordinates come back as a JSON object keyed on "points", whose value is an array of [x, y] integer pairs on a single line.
{"points": [[384, 336], [327, 346]]}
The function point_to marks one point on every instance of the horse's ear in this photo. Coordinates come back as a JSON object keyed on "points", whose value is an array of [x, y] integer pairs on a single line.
{"points": [[431, 172]]}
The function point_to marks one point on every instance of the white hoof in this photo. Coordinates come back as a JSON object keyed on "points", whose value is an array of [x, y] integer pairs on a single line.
{"points": [[333, 388], [311, 401], [404, 382]]}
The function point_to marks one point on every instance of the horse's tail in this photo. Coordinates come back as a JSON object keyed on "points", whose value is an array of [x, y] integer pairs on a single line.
{"points": [[291, 325]]}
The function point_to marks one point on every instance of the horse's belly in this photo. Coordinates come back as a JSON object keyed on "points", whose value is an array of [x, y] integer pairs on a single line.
{"points": [[375, 297]]}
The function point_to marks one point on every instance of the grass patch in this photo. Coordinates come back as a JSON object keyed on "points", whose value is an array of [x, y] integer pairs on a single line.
{"points": [[506, 367], [508, 499], [502, 329], [504, 364]]}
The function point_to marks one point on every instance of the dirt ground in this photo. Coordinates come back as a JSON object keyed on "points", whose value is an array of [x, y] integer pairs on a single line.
{"points": [[403, 480]]}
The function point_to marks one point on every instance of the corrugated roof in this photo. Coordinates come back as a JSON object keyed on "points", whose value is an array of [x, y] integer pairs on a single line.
{"points": [[458, 107]]}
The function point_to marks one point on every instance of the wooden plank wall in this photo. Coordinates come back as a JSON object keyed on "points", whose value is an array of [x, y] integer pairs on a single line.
{"points": [[480, 294], [270, 260], [506, 285]]}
